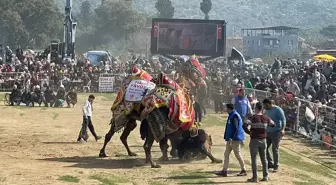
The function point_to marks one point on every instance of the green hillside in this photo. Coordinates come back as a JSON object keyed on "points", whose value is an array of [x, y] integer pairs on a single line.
{"points": [[248, 13]]}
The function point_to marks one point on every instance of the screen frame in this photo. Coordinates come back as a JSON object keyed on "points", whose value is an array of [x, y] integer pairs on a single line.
{"points": [[221, 42]]}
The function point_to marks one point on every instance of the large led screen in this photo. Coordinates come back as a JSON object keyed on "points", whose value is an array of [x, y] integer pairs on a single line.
{"points": [[188, 37]]}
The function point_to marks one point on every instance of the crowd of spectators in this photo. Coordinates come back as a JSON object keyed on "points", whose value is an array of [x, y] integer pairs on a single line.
{"points": [[305, 90]]}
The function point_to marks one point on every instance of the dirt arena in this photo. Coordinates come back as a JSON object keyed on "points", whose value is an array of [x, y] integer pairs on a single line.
{"points": [[38, 147]]}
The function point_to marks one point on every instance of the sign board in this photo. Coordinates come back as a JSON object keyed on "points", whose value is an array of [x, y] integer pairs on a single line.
{"points": [[188, 37], [137, 89], [106, 84]]}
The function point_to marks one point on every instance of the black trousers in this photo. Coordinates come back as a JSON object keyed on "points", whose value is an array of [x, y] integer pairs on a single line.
{"points": [[83, 132], [218, 101]]}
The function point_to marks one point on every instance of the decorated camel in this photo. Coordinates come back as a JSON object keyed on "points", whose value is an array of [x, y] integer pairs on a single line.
{"points": [[127, 107], [192, 76], [168, 109], [163, 107]]}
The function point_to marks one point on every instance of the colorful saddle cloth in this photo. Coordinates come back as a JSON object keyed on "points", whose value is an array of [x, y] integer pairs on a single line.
{"points": [[168, 93], [134, 93]]}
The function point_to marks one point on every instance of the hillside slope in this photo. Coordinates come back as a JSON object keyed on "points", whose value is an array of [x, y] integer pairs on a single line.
{"points": [[248, 13]]}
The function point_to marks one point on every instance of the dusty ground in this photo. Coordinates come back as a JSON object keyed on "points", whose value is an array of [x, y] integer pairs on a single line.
{"points": [[38, 146]]}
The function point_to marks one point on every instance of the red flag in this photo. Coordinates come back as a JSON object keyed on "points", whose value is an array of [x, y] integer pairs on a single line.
{"points": [[219, 31], [156, 29], [199, 67], [186, 43]]}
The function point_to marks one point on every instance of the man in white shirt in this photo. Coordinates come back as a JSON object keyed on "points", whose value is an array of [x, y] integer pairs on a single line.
{"points": [[87, 114]]}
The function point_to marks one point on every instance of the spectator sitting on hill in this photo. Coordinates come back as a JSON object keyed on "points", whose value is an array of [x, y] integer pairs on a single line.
{"points": [[50, 97], [60, 97], [15, 96], [37, 96], [71, 98]]}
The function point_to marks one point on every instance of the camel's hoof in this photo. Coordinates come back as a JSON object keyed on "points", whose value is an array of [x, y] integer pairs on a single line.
{"points": [[102, 155], [156, 166], [217, 161], [132, 154], [163, 158]]}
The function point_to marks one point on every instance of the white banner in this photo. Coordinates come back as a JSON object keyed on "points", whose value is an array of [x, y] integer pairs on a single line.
{"points": [[137, 89], [106, 84]]}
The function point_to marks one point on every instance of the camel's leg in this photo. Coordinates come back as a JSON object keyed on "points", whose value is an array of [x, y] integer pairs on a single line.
{"points": [[128, 129], [108, 138], [164, 149], [147, 147], [175, 139]]}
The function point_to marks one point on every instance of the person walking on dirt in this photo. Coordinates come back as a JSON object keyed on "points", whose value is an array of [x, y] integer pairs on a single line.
{"points": [[274, 134], [234, 137], [87, 115]]}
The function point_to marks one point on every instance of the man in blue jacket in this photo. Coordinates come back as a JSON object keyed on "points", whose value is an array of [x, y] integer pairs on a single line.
{"points": [[234, 136], [242, 104]]}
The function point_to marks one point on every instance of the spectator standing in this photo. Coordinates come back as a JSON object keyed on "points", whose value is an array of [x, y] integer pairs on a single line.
{"points": [[198, 111], [234, 136], [241, 104], [218, 95], [293, 87], [258, 124], [274, 134]]}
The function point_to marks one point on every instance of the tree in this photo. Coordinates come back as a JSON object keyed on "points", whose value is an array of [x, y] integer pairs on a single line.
{"points": [[329, 31], [116, 20], [29, 23], [85, 13], [205, 7], [165, 8]]}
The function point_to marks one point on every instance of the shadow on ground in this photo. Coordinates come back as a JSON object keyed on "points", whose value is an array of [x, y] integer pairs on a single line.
{"points": [[107, 163]]}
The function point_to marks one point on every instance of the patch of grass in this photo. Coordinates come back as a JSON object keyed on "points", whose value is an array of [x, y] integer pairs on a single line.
{"points": [[108, 96], [307, 180], [295, 161], [55, 115], [22, 114], [213, 120], [68, 178], [109, 180], [190, 177]]}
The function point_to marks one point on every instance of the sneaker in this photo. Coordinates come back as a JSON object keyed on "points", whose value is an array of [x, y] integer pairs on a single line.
{"points": [[253, 180], [242, 173], [81, 141], [264, 179], [221, 173], [98, 138], [275, 169], [270, 165]]}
